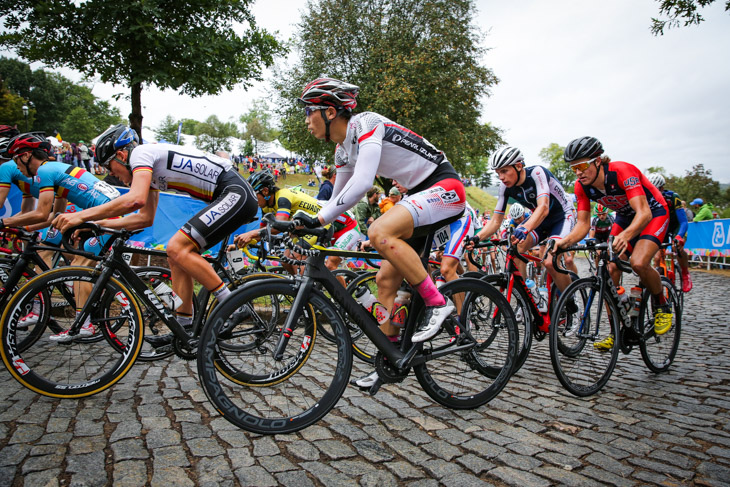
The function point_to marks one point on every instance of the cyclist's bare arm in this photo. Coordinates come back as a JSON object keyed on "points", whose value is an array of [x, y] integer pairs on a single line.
{"points": [[137, 198], [492, 226], [39, 215], [142, 219]]}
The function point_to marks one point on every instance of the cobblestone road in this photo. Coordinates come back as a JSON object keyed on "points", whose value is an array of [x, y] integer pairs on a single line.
{"points": [[155, 427]]}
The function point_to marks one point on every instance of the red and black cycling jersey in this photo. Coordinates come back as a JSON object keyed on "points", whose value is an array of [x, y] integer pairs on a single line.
{"points": [[622, 182]]}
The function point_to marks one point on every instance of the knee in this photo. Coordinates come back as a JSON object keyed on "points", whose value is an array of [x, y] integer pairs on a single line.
{"points": [[177, 249], [640, 267]]}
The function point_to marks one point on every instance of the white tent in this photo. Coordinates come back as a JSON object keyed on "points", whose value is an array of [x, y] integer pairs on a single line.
{"points": [[54, 141]]}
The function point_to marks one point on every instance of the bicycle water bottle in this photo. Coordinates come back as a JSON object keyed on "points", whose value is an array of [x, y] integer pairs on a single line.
{"points": [[400, 307], [636, 298], [370, 303], [542, 305], [533, 290], [167, 295], [624, 300]]}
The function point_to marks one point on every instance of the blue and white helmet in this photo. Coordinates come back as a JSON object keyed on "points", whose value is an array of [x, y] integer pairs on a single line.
{"points": [[116, 138]]}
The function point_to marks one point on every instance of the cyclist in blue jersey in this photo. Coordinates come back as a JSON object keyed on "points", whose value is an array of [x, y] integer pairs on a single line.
{"points": [[536, 189], [150, 168], [677, 226], [57, 182]]}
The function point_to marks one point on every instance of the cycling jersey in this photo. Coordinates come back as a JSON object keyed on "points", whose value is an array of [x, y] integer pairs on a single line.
{"points": [[288, 202], [10, 174], [376, 145], [602, 228], [540, 183], [677, 215], [76, 185], [180, 169], [622, 181]]}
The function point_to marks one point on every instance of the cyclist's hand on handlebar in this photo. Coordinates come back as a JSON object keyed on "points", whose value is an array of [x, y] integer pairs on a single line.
{"points": [[472, 242], [679, 242], [620, 243], [364, 245], [64, 221], [307, 220], [245, 238], [519, 234]]}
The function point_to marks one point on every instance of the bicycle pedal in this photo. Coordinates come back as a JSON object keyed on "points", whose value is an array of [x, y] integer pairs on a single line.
{"points": [[375, 387]]}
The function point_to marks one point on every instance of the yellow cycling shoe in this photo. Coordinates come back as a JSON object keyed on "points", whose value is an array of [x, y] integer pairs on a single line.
{"points": [[604, 345], [662, 320]]}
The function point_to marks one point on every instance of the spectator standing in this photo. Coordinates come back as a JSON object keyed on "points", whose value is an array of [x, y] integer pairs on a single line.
{"points": [[394, 196], [329, 174], [690, 213], [84, 156], [703, 210], [367, 210]]}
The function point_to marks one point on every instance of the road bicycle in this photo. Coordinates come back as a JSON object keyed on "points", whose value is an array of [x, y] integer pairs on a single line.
{"points": [[580, 358], [532, 307], [115, 306], [464, 366]]}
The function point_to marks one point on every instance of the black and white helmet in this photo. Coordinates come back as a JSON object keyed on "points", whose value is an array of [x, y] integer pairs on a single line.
{"points": [[657, 180], [583, 147], [506, 156]]}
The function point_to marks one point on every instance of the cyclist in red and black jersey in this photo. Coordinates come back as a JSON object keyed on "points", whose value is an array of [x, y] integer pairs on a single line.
{"points": [[642, 217]]}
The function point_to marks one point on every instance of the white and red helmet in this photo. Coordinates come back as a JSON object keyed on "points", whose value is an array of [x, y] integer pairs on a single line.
{"points": [[329, 92]]}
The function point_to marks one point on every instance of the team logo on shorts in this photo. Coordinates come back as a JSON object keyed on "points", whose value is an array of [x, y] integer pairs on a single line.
{"points": [[83, 187], [449, 197], [93, 242]]}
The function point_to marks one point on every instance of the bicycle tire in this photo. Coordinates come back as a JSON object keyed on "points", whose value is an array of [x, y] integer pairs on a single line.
{"points": [[658, 351], [92, 366], [305, 394], [589, 369], [523, 316], [461, 380]]}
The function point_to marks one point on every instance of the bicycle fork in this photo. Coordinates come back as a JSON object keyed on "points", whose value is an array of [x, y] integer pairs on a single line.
{"points": [[291, 320]]}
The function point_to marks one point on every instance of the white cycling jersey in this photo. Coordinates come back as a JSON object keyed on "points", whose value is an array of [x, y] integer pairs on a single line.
{"points": [[180, 169], [376, 145]]}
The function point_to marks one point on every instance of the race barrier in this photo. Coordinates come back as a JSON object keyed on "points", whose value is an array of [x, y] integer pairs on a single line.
{"points": [[709, 242]]}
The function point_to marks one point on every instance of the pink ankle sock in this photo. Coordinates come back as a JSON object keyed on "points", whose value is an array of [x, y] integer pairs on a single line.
{"points": [[430, 293]]}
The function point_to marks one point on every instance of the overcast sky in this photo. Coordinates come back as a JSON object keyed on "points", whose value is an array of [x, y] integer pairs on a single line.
{"points": [[567, 68]]}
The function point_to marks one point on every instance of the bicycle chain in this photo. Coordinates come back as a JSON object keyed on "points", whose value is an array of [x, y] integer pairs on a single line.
{"points": [[183, 352]]}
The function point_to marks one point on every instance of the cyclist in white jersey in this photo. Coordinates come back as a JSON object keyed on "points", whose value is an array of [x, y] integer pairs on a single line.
{"points": [[150, 168], [370, 144]]}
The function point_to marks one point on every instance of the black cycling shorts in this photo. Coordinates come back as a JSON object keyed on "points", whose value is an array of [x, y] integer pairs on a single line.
{"points": [[234, 204]]}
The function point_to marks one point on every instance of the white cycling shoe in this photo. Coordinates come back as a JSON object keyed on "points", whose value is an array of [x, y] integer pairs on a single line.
{"points": [[435, 316]]}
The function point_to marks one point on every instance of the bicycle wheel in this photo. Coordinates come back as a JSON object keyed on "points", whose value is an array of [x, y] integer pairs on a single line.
{"points": [[523, 316], [588, 367], [470, 378], [81, 367], [295, 391], [567, 322], [362, 347], [658, 351]]}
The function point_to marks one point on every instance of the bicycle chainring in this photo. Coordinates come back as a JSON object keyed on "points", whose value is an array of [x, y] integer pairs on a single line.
{"points": [[388, 373], [182, 351], [629, 338]]}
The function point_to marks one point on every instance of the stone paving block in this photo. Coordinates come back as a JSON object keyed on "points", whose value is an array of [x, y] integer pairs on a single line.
{"points": [[335, 449], [294, 479], [13, 455], [463, 480], [265, 447], [132, 449], [327, 475], [513, 476], [158, 438], [380, 478], [438, 468], [170, 456], [373, 451], [46, 478], [404, 470], [205, 447], [303, 450], [167, 476]]}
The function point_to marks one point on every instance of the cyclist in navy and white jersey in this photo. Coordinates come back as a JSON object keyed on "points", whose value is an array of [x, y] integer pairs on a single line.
{"points": [[536, 189], [151, 168], [371, 144], [641, 222]]}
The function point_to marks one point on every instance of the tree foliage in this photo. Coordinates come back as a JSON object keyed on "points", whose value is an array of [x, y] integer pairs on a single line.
{"points": [[697, 183], [680, 12], [415, 61], [167, 130], [258, 124], [214, 135], [192, 46], [57, 105], [552, 157]]}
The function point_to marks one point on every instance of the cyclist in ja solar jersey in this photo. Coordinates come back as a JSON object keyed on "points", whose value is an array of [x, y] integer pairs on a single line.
{"points": [[151, 168], [371, 144], [641, 222]]}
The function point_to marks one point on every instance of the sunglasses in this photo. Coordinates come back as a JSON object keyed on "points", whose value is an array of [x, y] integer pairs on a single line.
{"points": [[310, 110], [582, 166]]}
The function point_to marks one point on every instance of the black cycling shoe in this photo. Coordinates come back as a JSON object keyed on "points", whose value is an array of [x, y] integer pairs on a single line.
{"points": [[571, 307], [158, 341]]}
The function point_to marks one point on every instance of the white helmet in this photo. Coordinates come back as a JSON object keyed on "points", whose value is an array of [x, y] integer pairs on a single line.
{"points": [[506, 156], [516, 211], [657, 180]]}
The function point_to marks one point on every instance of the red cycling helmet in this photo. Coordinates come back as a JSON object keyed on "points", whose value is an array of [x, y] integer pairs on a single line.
{"points": [[329, 92], [601, 209], [8, 131], [32, 141]]}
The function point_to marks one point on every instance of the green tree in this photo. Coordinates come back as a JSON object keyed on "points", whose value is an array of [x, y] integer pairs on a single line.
{"points": [[416, 62], [192, 46], [258, 124], [696, 183], [683, 12], [214, 135], [190, 126], [11, 108], [247, 149], [167, 130], [552, 157], [56, 97]]}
